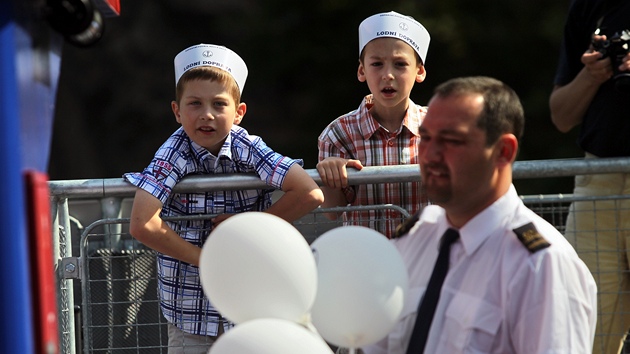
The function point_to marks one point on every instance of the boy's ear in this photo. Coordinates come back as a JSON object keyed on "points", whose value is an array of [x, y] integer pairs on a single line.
{"points": [[422, 74], [241, 109], [175, 108], [361, 72]]}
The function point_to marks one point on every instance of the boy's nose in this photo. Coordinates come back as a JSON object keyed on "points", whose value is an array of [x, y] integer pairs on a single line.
{"points": [[207, 116], [388, 75]]}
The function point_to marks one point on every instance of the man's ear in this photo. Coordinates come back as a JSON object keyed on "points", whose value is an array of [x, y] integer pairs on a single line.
{"points": [[241, 109], [361, 72], [422, 74], [175, 108], [507, 149]]}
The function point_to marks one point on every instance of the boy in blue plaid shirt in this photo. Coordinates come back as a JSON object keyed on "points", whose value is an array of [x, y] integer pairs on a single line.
{"points": [[209, 82]]}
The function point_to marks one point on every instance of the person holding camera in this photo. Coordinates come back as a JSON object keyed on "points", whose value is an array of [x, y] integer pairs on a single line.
{"points": [[592, 90]]}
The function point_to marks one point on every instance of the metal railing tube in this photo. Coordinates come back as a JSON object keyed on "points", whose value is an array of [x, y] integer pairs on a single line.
{"points": [[117, 187]]}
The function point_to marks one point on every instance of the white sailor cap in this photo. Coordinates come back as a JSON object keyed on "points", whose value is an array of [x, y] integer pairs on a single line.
{"points": [[211, 55], [393, 24]]}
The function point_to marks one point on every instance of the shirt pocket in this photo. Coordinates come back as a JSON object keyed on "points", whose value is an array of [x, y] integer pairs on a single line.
{"points": [[473, 324]]}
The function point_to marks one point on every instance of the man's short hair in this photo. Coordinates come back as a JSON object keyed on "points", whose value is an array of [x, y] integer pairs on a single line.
{"points": [[502, 110]]}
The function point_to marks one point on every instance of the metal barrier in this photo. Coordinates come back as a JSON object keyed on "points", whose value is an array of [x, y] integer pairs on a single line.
{"points": [[107, 280]]}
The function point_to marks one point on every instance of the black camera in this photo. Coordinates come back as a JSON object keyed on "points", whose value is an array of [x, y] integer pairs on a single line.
{"points": [[79, 21], [616, 47]]}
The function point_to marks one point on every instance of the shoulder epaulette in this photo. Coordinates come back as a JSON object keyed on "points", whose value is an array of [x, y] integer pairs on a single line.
{"points": [[531, 238], [403, 228]]}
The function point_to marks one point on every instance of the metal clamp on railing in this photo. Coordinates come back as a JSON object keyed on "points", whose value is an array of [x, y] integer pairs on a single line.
{"points": [[70, 268]]}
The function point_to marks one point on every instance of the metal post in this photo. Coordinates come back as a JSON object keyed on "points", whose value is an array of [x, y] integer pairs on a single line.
{"points": [[65, 283]]}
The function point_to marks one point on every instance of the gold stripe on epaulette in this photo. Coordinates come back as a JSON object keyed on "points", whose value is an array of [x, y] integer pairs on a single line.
{"points": [[403, 228], [531, 238]]}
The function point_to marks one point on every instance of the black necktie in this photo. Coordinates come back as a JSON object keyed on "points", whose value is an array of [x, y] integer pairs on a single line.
{"points": [[427, 306]]}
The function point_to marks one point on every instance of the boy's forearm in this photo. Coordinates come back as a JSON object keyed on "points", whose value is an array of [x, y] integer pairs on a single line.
{"points": [[333, 197], [301, 195], [293, 205], [147, 227], [170, 243]]}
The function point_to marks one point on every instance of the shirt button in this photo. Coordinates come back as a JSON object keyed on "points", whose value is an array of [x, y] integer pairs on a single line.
{"points": [[390, 143]]}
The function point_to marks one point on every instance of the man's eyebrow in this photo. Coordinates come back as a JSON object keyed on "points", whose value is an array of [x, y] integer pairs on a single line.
{"points": [[441, 132]]}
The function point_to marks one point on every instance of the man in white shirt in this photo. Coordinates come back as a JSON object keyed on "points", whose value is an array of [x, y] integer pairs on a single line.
{"points": [[513, 283]]}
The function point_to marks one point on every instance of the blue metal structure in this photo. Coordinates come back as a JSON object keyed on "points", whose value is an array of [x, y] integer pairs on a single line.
{"points": [[29, 70]]}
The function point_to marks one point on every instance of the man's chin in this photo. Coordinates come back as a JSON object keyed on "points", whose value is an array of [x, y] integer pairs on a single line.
{"points": [[438, 197]]}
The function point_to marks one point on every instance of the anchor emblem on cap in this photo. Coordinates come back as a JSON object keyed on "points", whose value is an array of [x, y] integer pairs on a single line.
{"points": [[403, 26], [207, 53]]}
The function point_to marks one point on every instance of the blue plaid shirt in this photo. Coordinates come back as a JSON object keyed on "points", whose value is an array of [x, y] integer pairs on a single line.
{"points": [[182, 299]]}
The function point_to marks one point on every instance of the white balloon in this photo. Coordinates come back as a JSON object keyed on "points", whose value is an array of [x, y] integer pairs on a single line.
{"points": [[269, 336], [257, 265], [362, 285]]}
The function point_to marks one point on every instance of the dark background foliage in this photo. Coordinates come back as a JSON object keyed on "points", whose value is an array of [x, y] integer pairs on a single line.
{"points": [[113, 102]]}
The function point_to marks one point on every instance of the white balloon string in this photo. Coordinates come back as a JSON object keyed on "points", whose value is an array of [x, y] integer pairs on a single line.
{"points": [[306, 322]]}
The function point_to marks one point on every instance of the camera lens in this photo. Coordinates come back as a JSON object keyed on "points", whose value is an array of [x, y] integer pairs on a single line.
{"points": [[79, 21]]}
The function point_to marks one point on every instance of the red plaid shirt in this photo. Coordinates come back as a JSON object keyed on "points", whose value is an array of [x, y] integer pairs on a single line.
{"points": [[357, 135]]}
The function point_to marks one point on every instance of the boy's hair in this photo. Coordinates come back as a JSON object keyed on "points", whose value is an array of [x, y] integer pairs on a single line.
{"points": [[209, 73], [502, 110]]}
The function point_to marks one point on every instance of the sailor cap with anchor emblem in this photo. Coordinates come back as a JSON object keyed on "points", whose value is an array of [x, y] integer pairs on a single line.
{"points": [[211, 55], [395, 25]]}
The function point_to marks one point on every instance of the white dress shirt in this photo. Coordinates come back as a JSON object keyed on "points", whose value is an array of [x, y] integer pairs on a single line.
{"points": [[498, 297]]}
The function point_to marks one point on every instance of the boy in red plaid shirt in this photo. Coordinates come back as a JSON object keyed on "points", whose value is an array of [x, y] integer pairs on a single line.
{"points": [[384, 129]]}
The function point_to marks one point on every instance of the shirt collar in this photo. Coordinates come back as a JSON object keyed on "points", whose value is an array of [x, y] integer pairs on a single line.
{"points": [[490, 220], [202, 154], [414, 118], [369, 125]]}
